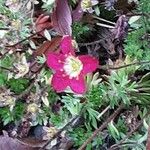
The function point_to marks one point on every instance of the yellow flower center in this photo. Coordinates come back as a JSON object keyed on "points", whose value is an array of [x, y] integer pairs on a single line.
{"points": [[10, 100], [32, 108], [22, 68], [51, 132], [73, 66], [6, 100], [86, 4]]}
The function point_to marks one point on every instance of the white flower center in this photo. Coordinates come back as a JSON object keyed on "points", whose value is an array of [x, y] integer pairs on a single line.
{"points": [[72, 66]]}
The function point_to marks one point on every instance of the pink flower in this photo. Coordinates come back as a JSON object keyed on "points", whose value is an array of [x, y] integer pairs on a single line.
{"points": [[70, 70]]}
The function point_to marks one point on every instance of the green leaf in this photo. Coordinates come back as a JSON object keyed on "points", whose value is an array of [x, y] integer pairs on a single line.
{"points": [[7, 120], [145, 78], [2, 78], [18, 85], [133, 19], [113, 130], [97, 10]]}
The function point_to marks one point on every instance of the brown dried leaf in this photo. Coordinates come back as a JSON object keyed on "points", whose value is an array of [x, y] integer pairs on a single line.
{"points": [[48, 46], [8, 143], [43, 22]]}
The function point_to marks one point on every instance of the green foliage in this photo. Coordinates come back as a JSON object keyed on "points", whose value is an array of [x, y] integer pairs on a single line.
{"points": [[94, 97], [90, 116], [15, 115], [60, 119], [113, 131], [56, 119], [137, 47], [137, 42], [19, 22], [120, 125], [118, 87], [18, 85], [144, 7], [3, 9], [80, 31], [7, 61], [52, 96], [79, 135], [117, 130], [72, 104], [73, 2], [48, 5], [6, 115], [3, 78], [25, 30], [142, 95], [18, 111], [40, 118], [136, 142]]}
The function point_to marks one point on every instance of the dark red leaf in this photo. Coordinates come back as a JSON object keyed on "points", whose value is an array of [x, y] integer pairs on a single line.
{"points": [[43, 22], [121, 28], [62, 18], [78, 12]]}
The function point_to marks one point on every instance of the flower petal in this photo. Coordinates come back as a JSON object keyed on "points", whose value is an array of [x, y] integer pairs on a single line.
{"points": [[78, 86], [66, 45], [55, 61], [59, 82], [89, 63]]}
